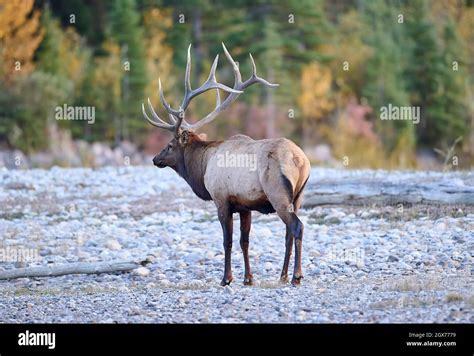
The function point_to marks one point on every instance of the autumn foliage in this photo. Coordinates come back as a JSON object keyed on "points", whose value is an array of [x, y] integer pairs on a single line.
{"points": [[20, 36], [338, 64]]}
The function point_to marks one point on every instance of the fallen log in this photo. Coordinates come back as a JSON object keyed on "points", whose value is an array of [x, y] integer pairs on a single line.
{"points": [[390, 189], [72, 268]]}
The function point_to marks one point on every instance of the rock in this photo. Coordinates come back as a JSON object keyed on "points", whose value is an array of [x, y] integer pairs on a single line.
{"points": [[150, 258], [165, 283], [335, 215], [113, 245], [347, 270], [91, 243], [459, 239], [440, 226], [195, 283], [192, 258], [228, 290], [301, 315], [142, 271], [268, 266], [392, 258], [404, 265], [83, 255], [181, 264], [456, 256], [370, 214], [315, 253], [124, 255], [45, 252], [161, 276]]}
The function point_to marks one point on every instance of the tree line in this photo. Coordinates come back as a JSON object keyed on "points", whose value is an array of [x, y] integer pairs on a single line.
{"points": [[338, 64]]}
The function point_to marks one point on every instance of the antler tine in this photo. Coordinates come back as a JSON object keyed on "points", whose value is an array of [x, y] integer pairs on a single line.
{"points": [[161, 125], [164, 102], [235, 67], [254, 67], [238, 85], [172, 119], [210, 83], [255, 78], [179, 114], [155, 115], [187, 75], [186, 125]]}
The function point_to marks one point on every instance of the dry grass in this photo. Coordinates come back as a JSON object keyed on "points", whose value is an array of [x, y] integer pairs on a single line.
{"points": [[45, 291], [402, 302], [454, 297], [414, 284]]}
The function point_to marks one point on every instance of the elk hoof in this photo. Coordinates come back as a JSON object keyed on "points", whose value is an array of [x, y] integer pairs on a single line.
{"points": [[248, 281], [296, 281], [226, 281], [284, 280]]}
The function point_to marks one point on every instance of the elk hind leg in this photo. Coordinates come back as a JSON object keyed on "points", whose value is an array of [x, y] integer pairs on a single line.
{"points": [[288, 250], [283, 201]]}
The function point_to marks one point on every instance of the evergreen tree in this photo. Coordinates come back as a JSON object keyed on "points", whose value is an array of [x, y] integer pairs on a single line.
{"points": [[282, 37], [425, 70], [449, 105], [49, 58], [127, 32], [385, 82]]}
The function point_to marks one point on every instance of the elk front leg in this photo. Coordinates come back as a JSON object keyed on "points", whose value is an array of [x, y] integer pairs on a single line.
{"points": [[245, 222], [225, 218]]}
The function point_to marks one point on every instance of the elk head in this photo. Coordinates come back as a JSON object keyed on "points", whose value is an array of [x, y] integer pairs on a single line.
{"points": [[172, 154]]}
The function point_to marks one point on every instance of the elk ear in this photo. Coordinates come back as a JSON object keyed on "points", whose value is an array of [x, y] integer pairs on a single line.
{"points": [[184, 138], [203, 136]]}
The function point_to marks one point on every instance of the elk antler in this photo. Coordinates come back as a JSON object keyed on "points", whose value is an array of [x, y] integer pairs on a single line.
{"points": [[177, 116]]}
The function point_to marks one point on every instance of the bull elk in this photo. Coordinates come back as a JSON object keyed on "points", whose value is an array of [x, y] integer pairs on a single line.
{"points": [[274, 184]]}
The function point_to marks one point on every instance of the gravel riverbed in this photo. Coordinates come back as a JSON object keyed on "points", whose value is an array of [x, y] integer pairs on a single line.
{"points": [[361, 263]]}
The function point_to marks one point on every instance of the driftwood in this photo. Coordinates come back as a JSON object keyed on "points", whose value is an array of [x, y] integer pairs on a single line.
{"points": [[71, 268], [349, 190]]}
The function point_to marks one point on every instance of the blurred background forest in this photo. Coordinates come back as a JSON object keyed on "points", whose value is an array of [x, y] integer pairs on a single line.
{"points": [[337, 62]]}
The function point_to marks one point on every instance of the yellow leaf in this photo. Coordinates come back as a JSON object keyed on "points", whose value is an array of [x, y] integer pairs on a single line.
{"points": [[20, 36]]}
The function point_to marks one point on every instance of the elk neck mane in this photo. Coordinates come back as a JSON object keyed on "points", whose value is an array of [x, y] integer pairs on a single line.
{"points": [[196, 155]]}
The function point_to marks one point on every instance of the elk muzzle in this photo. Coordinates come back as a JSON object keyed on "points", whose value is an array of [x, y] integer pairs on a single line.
{"points": [[158, 161]]}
